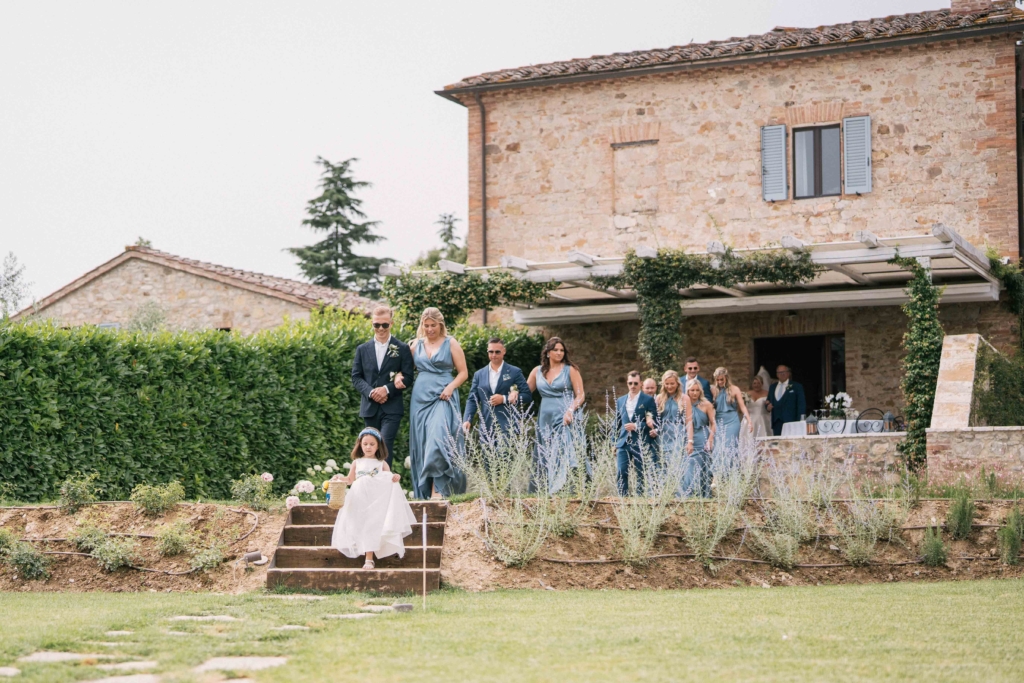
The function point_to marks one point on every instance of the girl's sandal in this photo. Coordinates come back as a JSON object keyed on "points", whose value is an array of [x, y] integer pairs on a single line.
{"points": [[368, 565]]}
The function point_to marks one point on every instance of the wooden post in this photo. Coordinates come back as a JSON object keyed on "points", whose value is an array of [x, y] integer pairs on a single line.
{"points": [[424, 557]]}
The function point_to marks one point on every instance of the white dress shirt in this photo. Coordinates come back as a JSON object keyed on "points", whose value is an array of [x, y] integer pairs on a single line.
{"points": [[381, 349], [780, 390], [494, 375], [631, 402]]}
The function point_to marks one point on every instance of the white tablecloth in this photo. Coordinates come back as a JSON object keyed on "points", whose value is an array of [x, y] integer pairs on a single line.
{"points": [[832, 427]]}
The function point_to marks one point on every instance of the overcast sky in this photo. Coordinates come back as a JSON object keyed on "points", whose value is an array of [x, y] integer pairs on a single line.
{"points": [[196, 125]]}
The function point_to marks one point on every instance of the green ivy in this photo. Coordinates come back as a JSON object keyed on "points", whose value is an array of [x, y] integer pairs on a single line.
{"points": [[922, 344], [456, 296], [1013, 280], [658, 281]]}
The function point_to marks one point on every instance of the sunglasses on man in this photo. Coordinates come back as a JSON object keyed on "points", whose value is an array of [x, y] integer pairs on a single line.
{"points": [[493, 352], [381, 326]]}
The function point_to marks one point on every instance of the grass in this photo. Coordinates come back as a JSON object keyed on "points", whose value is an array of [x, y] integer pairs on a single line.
{"points": [[937, 631]]}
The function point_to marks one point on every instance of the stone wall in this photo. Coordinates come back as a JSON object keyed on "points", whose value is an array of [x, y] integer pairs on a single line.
{"points": [[956, 453], [873, 456], [943, 151], [605, 352], [189, 301]]}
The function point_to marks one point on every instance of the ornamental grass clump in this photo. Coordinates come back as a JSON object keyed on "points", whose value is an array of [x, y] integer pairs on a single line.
{"points": [[1011, 537], [822, 479], [960, 515], [156, 499], [28, 562], [857, 525], [586, 463], [76, 491], [933, 551], [116, 552], [786, 520], [253, 490], [651, 487], [174, 539], [515, 533], [87, 537], [497, 463]]}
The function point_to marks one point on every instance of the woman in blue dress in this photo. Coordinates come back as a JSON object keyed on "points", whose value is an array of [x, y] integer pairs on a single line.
{"points": [[729, 406], [675, 424], [561, 389], [435, 415], [697, 479]]}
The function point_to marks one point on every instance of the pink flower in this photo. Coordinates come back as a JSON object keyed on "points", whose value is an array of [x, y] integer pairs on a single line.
{"points": [[267, 477], [291, 501], [305, 486]]}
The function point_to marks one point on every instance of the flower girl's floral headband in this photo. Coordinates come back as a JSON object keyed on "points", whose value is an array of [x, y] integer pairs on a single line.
{"points": [[371, 431]]}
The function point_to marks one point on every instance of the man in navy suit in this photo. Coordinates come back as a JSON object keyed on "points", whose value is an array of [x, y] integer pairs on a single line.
{"points": [[691, 367], [786, 400], [377, 364], [634, 418], [495, 387]]}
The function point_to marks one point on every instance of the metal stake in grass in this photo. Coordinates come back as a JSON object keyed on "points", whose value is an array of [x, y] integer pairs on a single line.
{"points": [[424, 557]]}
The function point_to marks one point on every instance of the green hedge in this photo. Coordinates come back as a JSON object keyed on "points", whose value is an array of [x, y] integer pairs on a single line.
{"points": [[198, 407]]}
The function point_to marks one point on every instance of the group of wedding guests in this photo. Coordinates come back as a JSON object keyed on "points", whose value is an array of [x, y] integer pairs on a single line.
{"points": [[683, 413]]}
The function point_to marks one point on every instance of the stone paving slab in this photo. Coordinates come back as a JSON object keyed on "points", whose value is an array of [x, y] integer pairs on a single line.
{"points": [[358, 615], [209, 617], [9, 671], [134, 678], [118, 633], [290, 627], [47, 657], [240, 663], [296, 597], [128, 666]]}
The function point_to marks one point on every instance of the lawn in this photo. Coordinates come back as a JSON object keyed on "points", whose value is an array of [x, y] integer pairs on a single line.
{"points": [[925, 631]]}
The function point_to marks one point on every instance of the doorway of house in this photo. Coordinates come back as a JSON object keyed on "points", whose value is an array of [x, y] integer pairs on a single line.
{"points": [[818, 362]]}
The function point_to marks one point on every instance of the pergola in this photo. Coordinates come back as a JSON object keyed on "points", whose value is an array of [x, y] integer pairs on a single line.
{"points": [[855, 273]]}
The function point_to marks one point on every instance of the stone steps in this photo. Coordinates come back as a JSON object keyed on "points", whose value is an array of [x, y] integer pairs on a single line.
{"points": [[305, 559]]}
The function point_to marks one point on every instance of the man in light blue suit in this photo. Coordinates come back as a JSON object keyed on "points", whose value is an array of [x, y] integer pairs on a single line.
{"points": [[634, 418], [786, 400], [495, 387]]}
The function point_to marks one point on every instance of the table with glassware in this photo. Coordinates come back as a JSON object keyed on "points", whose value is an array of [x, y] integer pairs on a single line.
{"points": [[831, 427]]}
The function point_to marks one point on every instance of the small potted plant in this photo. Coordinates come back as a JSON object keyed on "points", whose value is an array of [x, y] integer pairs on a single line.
{"points": [[837, 405]]}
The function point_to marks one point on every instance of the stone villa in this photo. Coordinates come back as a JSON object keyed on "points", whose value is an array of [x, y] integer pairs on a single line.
{"points": [[190, 294], [850, 141]]}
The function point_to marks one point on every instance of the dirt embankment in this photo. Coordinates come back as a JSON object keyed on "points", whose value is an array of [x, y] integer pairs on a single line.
{"points": [[209, 523], [467, 564]]}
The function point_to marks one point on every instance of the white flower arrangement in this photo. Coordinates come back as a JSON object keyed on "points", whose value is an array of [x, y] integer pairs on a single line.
{"points": [[328, 470], [332, 464], [408, 463], [317, 468], [837, 404], [305, 486]]}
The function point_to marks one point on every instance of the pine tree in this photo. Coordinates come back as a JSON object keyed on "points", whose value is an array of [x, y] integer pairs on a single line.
{"points": [[13, 287], [331, 262], [449, 248]]}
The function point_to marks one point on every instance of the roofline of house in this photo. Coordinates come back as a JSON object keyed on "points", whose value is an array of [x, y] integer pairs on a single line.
{"points": [[132, 253], [737, 60]]}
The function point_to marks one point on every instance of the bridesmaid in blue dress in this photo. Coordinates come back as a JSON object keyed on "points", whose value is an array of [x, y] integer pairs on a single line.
{"points": [[435, 416], [561, 389], [675, 424], [729, 406], [697, 480]]}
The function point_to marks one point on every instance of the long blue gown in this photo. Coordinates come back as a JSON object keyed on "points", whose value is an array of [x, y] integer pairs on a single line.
{"points": [[555, 450], [727, 418], [697, 480], [672, 435], [433, 423]]}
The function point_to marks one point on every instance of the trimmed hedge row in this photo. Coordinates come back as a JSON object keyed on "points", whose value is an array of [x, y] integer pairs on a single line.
{"points": [[202, 408]]}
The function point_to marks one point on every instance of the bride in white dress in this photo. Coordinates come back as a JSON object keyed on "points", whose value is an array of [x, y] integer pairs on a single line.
{"points": [[376, 516], [756, 407]]}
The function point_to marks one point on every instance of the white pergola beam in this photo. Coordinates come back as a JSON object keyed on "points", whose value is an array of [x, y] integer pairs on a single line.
{"points": [[890, 296], [717, 248], [611, 291], [851, 274], [730, 291], [793, 244], [388, 270], [581, 259], [644, 251], [515, 263], [452, 267], [867, 238]]}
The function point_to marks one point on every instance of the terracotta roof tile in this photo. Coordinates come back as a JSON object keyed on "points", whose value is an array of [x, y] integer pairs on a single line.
{"points": [[777, 40]]}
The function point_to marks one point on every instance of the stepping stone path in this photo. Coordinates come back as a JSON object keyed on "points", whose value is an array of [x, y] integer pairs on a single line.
{"points": [[51, 657], [212, 617], [9, 671], [358, 615], [128, 666], [178, 633], [135, 678], [297, 597], [240, 663], [290, 627], [377, 609], [114, 634]]}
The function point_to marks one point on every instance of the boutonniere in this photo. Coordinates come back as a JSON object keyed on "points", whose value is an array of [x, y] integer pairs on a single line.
{"points": [[391, 377], [789, 390], [392, 351]]}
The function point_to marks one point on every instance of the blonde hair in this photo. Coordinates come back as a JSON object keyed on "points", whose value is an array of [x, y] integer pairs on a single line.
{"points": [[663, 396], [431, 313], [722, 372], [382, 310], [693, 382]]}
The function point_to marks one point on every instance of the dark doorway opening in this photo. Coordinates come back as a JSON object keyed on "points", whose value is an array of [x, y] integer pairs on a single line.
{"points": [[818, 362]]}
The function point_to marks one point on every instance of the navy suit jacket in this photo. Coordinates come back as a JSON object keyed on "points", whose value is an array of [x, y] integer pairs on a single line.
{"points": [[480, 395], [704, 383], [790, 407], [366, 377], [645, 406]]}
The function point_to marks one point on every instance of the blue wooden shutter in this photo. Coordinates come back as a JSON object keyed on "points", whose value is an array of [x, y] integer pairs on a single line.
{"points": [[857, 154], [773, 163]]}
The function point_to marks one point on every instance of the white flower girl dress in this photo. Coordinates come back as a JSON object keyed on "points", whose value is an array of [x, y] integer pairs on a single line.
{"points": [[376, 516]]}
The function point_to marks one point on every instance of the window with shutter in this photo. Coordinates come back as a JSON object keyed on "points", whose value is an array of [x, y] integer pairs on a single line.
{"points": [[857, 154], [773, 163], [816, 162]]}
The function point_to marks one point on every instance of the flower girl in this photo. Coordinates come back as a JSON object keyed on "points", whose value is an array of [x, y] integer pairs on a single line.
{"points": [[376, 516]]}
